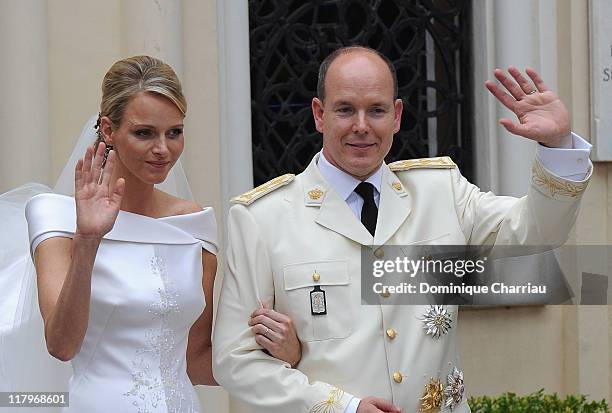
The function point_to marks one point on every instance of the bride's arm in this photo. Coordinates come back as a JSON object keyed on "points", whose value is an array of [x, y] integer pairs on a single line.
{"points": [[199, 347], [64, 266]]}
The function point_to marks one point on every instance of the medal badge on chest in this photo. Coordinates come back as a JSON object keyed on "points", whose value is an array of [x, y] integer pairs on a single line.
{"points": [[318, 306]]}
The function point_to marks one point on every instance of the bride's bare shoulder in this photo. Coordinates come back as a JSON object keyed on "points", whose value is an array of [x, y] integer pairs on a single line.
{"points": [[177, 206]]}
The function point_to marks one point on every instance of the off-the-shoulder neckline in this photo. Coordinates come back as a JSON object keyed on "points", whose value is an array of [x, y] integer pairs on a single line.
{"points": [[204, 209]]}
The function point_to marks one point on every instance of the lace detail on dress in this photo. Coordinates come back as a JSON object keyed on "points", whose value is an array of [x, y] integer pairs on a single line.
{"points": [[148, 389]]}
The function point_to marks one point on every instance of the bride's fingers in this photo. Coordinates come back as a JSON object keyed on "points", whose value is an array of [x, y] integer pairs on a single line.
{"points": [[97, 162], [78, 174], [108, 168], [118, 191], [87, 165]]}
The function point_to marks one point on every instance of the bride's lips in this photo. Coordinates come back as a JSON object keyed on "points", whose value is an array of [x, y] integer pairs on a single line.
{"points": [[158, 164]]}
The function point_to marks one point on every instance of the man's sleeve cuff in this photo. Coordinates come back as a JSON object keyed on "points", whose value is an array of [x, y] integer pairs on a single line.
{"points": [[572, 164], [353, 405]]}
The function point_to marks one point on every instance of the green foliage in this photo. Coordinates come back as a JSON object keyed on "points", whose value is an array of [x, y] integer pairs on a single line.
{"points": [[537, 402]]}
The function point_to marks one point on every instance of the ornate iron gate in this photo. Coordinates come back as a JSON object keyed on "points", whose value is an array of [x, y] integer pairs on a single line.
{"points": [[427, 40]]}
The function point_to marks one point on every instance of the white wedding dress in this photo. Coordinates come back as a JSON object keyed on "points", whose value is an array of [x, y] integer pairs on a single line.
{"points": [[146, 293]]}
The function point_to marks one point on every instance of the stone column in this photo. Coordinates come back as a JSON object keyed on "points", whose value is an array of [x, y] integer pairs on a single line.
{"points": [[154, 28], [25, 153]]}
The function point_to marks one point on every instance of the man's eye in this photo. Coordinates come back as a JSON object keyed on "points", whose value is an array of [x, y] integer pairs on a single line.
{"points": [[345, 109], [378, 111], [175, 133]]}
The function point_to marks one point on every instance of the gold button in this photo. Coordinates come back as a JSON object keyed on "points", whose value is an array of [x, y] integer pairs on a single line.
{"points": [[397, 377], [316, 277], [385, 294], [391, 333], [379, 253]]}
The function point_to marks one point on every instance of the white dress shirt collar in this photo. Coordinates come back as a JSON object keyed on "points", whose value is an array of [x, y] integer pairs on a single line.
{"points": [[343, 183]]}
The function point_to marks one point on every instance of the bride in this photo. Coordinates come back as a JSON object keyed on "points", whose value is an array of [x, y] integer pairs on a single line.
{"points": [[125, 271]]}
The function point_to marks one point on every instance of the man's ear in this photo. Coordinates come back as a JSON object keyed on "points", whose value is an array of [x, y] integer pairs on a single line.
{"points": [[106, 129], [398, 105], [317, 113]]}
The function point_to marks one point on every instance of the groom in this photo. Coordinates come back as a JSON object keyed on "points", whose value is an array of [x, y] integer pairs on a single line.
{"points": [[296, 242]]}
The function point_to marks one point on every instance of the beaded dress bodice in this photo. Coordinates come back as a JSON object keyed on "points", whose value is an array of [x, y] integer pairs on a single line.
{"points": [[146, 293]]}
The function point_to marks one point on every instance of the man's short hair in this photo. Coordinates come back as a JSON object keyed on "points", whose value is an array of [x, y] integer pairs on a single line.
{"points": [[348, 49]]}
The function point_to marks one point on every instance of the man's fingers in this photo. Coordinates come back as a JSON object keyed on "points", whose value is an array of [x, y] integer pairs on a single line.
{"points": [[515, 128], [505, 99], [537, 80], [526, 86], [509, 84]]}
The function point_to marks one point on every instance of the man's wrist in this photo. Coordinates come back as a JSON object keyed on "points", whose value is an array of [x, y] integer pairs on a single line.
{"points": [[566, 142]]}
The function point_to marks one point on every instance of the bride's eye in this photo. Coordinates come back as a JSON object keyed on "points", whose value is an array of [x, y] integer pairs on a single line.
{"points": [[142, 133], [175, 133]]}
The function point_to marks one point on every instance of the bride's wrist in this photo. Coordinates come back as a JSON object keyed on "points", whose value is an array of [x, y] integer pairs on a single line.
{"points": [[87, 237]]}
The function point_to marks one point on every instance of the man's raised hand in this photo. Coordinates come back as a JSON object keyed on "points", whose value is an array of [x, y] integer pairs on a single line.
{"points": [[542, 116]]}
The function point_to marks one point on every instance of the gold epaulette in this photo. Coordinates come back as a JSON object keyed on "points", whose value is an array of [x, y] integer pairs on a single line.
{"points": [[442, 162], [251, 196]]}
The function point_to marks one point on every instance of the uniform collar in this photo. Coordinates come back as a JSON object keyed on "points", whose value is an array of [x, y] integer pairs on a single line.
{"points": [[335, 214], [343, 183]]}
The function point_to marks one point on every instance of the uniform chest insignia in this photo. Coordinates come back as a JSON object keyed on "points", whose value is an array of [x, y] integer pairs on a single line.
{"points": [[254, 194], [442, 162], [315, 194], [454, 389], [437, 321], [432, 397], [397, 186]]}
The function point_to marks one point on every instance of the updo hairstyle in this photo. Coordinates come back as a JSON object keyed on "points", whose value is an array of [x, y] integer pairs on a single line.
{"points": [[128, 77]]}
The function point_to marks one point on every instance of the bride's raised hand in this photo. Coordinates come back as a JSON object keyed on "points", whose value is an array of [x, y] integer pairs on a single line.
{"points": [[96, 206]]}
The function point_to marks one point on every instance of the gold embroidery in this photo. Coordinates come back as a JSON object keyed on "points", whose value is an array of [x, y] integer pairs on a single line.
{"points": [[440, 162], [397, 186], [432, 398], [315, 194], [554, 185], [249, 197], [331, 404]]}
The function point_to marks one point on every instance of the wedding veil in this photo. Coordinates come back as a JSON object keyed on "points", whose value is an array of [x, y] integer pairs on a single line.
{"points": [[25, 364]]}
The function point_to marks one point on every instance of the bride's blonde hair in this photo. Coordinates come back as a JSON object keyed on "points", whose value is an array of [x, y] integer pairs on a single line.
{"points": [[136, 74]]}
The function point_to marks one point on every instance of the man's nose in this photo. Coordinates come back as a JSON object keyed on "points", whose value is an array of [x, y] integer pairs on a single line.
{"points": [[361, 125]]}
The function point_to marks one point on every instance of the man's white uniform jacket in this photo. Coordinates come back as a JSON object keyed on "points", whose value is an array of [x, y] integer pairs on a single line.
{"points": [[284, 231]]}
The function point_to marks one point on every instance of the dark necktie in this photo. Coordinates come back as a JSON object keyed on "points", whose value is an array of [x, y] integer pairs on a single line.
{"points": [[369, 212]]}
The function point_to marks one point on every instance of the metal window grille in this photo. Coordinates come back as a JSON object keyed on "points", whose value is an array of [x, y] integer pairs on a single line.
{"points": [[427, 40]]}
